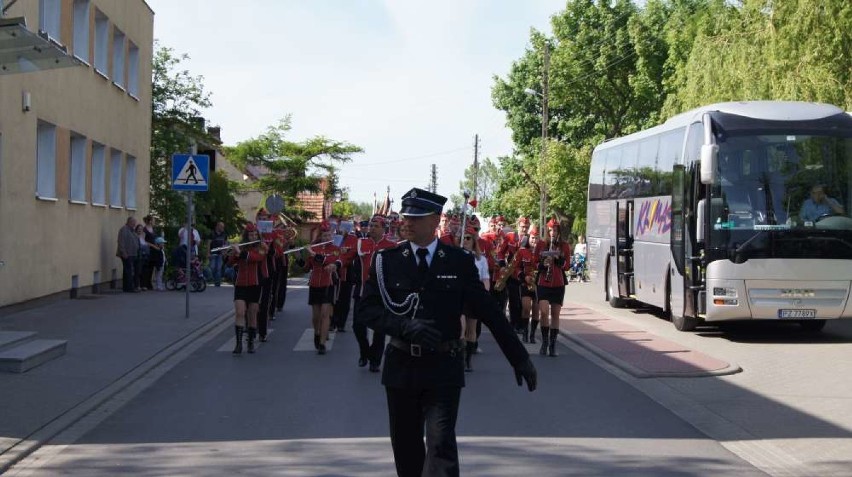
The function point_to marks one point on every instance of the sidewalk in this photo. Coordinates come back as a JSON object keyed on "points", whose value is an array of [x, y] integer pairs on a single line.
{"points": [[113, 339]]}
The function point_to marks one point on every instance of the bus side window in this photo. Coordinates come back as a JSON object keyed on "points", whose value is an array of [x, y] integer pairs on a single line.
{"points": [[671, 144], [596, 175], [646, 167], [612, 173]]}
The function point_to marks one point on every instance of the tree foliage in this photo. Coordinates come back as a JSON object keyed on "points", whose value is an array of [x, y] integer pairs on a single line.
{"points": [[292, 167], [617, 68], [485, 179]]}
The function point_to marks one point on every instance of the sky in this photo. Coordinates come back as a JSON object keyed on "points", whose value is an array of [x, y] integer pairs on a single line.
{"points": [[409, 81]]}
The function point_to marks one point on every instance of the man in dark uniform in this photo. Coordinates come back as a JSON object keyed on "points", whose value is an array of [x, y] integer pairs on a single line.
{"points": [[415, 294]]}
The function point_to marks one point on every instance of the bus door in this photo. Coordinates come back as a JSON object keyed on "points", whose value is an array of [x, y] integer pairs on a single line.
{"points": [[624, 247]]}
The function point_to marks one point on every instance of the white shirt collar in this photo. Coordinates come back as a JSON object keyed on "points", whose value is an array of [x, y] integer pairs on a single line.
{"points": [[431, 248]]}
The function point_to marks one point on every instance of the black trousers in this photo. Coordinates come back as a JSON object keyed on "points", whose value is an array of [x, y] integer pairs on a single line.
{"points": [[128, 274], [502, 297], [280, 288], [374, 351], [413, 410], [341, 308], [265, 304], [513, 288]]}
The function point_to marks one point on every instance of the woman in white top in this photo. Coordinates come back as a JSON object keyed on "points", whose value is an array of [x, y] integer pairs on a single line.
{"points": [[471, 244]]}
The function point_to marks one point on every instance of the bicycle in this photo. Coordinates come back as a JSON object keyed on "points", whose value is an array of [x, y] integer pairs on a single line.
{"points": [[197, 282]]}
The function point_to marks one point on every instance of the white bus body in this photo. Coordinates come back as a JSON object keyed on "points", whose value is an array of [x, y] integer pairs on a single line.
{"points": [[706, 215]]}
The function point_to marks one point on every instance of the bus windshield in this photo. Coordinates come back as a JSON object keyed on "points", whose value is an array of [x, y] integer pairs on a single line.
{"points": [[782, 196]]}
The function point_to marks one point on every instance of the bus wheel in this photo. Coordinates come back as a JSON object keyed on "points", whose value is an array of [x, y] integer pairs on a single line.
{"points": [[612, 293], [681, 322], [812, 326]]}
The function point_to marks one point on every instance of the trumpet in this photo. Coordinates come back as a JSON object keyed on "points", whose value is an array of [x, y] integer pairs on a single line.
{"points": [[226, 247]]}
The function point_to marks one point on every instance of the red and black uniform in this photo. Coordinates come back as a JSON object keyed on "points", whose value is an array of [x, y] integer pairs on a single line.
{"points": [[282, 265], [509, 248], [527, 264], [251, 272], [365, 250], [321, 284], [348, 254], [551, 278]]}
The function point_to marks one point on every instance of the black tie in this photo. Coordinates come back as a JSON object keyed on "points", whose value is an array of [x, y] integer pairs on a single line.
{"points": [[422, 264]]}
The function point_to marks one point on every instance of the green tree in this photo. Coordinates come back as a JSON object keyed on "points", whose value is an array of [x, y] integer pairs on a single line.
{"points": [[486, 180], [177, 100], [218, 203], [294, 167]]}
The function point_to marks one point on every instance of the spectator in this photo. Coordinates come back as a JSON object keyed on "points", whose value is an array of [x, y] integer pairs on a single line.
{"points": [[196, 238], [142, 257], [158, 262], [128, 248], [218, 239]]}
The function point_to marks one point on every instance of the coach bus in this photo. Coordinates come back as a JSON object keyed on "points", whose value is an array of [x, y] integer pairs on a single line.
{"points": [[733, 211]]}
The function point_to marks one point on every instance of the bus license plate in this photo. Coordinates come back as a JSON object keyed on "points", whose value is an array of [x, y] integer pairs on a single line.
{"points": [[785, 313]]}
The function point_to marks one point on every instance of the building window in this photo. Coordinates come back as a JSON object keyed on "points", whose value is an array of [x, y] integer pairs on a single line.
{"points": [[132, 69], [78, 168], [98, 174], [101, 42], [118, 57], [46, 161], [130, 183], [81, 29], [50, 14], [115, 179]]}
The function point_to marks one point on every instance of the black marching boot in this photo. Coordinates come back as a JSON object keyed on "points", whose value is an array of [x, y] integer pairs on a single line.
{"points": [[545, 337], [252, 332], [551, 349], [533, 326], [316, 342], [238, 334], [469, 351], [525, 336]]}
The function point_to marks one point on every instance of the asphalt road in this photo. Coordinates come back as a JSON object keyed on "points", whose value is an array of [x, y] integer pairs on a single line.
{"points": [[287, 411]]}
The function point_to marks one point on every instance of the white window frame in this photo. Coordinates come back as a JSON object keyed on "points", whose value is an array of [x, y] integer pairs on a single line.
{"points": [[115, 176], [50, 19], [101, 43], [132, 69], [77, 164], [118, 58], [98, 174], [46, 161], [130, 182], [81, 30]]}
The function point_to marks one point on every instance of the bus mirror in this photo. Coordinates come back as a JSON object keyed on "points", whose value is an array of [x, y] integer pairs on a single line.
{"points": [[709, 155]]}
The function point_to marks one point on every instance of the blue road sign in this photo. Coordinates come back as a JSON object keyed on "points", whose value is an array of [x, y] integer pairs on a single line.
{"points": [[190, 172]]}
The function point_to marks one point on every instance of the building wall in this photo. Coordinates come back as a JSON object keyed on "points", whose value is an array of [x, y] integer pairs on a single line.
{"points": [[44, 242]]}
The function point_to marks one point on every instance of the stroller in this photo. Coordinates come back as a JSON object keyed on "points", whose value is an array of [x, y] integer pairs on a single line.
{"points": [[177, 281], [578, 268]]}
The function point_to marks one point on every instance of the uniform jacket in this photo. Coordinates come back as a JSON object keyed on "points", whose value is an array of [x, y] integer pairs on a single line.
{"points": [[561, 264], [366, 249], [348, 254], [251, 266], [451, 285], [320, 277]]}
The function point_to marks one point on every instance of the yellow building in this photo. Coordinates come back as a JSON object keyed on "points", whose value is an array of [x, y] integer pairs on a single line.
{"points": [[74, 146]]}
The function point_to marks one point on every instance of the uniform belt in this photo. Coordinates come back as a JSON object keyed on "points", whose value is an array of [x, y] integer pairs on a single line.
{"points": [[417, 350]]}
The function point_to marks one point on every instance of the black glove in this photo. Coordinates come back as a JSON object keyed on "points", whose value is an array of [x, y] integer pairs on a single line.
{"points": [[422, 332], [319, 258], [526, 372]]}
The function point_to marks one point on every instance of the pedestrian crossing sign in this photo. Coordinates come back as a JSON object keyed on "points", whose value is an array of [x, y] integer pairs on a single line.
{"points": [[190, 172]]}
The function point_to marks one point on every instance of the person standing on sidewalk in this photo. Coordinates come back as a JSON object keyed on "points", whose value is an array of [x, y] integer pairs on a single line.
{"points": [[218, 239], [251, 264], [366, 249], [552, 264], [416, 293], [128, 249]]}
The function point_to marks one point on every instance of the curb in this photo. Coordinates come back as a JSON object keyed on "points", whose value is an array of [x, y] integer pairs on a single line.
{"points": [[31, 443]]}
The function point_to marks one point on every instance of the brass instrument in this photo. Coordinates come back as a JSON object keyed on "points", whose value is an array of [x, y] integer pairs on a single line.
{"points": [[500, 284], [549, 274]]}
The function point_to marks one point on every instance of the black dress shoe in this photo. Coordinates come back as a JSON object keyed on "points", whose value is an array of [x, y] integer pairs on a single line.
{"points": [[321, 349], [374, 368], [362, 362], [263, 338]]}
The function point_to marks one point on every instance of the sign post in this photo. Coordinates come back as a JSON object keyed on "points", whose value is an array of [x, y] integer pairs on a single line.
{"points": [[190, 173]]}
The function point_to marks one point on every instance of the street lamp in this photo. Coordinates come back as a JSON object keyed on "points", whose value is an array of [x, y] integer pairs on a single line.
{"points": [[542, 185]]}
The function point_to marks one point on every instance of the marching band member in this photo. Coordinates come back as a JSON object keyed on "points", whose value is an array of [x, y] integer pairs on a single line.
{"points": [[251, 268], [470, 242], [514, 241], [365, 250], [526, 259], [347, 255], [283, 241], [323, 266], [264, 311], [552, 263]]}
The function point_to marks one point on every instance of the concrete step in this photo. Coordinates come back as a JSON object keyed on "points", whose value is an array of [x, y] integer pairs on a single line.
{"points": [[28, 355], [9, 339]]}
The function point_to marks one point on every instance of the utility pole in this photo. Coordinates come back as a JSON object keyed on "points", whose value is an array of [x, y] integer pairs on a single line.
{"points": [[433, 181], [475, 168], [544, 120]]}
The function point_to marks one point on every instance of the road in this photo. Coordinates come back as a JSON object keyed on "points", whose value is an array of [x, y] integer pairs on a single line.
{"points": [[287, 411]]}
